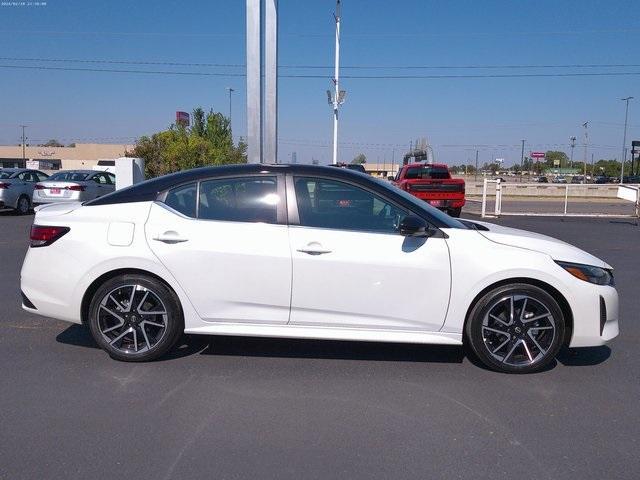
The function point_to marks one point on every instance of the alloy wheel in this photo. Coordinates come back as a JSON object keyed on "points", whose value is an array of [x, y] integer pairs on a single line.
{"points": [[23, 205], [518, 330], [132, 318]]}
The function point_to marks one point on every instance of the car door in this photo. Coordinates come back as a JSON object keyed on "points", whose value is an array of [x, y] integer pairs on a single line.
{"points": [[226, 242], [99, 185], [351, 267]]}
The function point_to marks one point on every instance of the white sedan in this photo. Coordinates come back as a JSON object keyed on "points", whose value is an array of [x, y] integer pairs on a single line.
{"points": [[309, 252]]}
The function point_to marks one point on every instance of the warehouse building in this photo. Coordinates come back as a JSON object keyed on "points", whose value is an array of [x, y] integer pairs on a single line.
{"points": [[80, 156]]}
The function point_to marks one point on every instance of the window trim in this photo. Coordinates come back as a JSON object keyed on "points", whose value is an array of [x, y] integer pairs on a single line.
{"points": [[281, 207], [294, 216]]}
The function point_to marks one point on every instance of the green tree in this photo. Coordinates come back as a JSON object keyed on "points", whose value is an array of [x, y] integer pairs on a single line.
{"points": [[360, 159], [209, 141], [552, 155], [51, 143]]}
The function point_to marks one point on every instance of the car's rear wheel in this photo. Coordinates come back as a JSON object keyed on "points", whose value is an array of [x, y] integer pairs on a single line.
{"points": [[23, 206], [455, 212], [517, 328], [135, 318]]}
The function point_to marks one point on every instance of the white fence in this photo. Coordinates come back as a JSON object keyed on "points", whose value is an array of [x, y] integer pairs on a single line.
{"points": [[497, 191]]}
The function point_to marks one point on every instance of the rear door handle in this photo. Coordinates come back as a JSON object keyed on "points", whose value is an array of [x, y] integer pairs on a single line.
{"points": [[314, 248], [170, 237]]}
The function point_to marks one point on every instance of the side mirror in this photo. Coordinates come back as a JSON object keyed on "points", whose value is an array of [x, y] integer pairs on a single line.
{"points": [[412, 226]]}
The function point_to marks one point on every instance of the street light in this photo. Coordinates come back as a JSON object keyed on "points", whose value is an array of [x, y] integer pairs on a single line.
{"points": [[624, 138], [231, 90]]}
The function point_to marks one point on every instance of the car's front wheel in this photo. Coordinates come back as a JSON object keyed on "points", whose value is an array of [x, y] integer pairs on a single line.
{"points": [[517, 328], [135, 318]]}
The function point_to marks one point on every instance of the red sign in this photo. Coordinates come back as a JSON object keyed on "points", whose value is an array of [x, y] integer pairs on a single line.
{"points": [[537, 154], [182, 118]]}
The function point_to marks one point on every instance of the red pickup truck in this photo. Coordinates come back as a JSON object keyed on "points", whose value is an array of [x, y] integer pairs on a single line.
{"points": [[433, 184]]}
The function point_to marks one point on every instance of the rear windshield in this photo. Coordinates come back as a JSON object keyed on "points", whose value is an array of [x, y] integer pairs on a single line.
{"points": [[68, 176], [427, 172]]}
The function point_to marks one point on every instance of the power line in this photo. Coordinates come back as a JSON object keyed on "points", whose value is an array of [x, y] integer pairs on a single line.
{"points": [[354, 77], [358, 67]]}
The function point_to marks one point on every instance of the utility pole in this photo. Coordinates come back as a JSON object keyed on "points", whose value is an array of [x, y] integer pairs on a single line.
{"points": [[338, 97], [476, 178], [624, 138], [522, 160], [231, 90], [586, 143], [24, 141]]}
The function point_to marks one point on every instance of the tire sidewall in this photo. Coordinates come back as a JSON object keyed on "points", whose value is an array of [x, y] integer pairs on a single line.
{"points": [[19, 204], [175, 322], [473, 332]]}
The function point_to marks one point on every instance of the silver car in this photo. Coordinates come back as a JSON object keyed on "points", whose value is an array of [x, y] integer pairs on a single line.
{"points": [[74, 186], [16, 188]]}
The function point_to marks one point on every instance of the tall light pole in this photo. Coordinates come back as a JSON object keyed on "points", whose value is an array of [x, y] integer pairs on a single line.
{"points": [[231, 90], [337, 98], [24, 141], [624, 138], [586, 143], [522, 160], [572, 138]]}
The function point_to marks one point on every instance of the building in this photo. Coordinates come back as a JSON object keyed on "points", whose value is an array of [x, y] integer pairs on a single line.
{"points": [[83, 155], [382, 170]]}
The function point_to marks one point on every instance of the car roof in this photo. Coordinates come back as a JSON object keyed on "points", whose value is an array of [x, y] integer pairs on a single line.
{"points": [[78, 171]]}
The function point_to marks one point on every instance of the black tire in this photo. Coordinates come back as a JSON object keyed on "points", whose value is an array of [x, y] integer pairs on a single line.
{"points": [[23, 205], [537, 321], [126, 299], [455, 212]]}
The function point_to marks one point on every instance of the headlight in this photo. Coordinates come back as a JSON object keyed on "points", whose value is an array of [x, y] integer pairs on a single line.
{"points": [[588, 273]]}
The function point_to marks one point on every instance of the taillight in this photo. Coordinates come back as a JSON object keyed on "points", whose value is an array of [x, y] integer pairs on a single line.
{"points": [[4, 185], [76, 188], [41, 236], [39, 187]]}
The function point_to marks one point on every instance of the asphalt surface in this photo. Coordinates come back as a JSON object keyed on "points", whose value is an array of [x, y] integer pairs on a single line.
{"points": [[232, 408], [600, 206]]}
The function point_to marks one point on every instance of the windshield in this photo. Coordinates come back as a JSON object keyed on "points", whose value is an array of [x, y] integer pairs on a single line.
{"points": [[450, 222], [68, 176], [7, 174], [427, 172]]}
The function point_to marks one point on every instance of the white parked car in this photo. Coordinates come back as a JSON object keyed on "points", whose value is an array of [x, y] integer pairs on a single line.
{"points": [[73, 185], [309, 252]]}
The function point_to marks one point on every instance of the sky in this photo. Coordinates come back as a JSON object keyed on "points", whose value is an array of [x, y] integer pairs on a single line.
{"points": [[380, 117]]}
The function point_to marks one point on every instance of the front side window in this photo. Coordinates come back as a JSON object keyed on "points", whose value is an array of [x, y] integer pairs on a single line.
{"points": [[250, 199], [326, 203], [183, 199]]}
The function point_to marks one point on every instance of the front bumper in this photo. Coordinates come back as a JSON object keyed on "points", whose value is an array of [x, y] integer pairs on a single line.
{"points": [[596, 322]]}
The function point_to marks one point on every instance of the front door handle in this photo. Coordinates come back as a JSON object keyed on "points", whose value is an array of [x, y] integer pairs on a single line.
{"points": [[314, 248], [170, 237]]}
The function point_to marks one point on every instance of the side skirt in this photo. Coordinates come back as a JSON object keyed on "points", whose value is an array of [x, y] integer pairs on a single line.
{"points": [[324, 333]]}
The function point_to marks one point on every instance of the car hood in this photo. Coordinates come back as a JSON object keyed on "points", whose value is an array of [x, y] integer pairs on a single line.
{"points": [[556, 249]]}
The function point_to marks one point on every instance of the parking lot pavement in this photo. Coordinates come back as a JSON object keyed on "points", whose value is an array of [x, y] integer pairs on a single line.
{"points": [[606, 206], [267, 408]]}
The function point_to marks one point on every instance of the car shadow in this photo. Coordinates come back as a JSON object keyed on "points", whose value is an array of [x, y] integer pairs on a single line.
{"points": [[583, 357], [79, 336], [331, 349]]}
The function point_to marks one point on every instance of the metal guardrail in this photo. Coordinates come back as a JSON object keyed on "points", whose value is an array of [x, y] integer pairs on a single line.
{"points": [[626, 192]]}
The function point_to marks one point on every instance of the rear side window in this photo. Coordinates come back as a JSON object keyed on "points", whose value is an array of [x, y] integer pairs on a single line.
{"points": [[427, 172], [249, 199], [183, 199]]}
